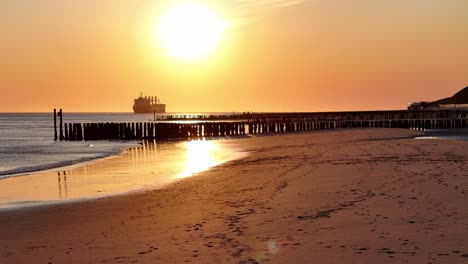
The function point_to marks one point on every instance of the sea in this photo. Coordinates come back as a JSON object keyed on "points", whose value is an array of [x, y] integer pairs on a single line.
{"points": [[448, 134], [66, 171], [27, 141]]}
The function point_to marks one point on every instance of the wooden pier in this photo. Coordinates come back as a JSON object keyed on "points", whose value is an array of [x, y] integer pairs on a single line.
{"points": [[266, 123]]}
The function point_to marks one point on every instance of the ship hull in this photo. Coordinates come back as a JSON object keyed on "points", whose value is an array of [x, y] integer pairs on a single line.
{"points": [[159, 109]]}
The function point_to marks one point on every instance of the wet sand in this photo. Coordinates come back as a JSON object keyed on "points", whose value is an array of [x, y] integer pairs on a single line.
{"points": [[349, 196], [151, 165]]}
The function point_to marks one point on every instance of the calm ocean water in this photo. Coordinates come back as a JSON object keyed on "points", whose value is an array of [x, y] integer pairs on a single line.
{"points": [[450, 134], [26, 141]]}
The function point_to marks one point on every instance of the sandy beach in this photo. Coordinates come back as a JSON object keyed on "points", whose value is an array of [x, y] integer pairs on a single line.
{"points": [[344, 196]]}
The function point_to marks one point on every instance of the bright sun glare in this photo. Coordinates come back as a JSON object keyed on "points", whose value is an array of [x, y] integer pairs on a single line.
{"points": [[189, 31], [201, 155]]}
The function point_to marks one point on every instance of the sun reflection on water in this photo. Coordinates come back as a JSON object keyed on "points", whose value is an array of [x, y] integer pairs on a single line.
{"points": [[200, 156], [152, 165]]}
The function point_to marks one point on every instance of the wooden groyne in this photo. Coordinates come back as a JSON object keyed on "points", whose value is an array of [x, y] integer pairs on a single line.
{"points": [[201, 117], [262, 124], [315, 116], [150, 130]]}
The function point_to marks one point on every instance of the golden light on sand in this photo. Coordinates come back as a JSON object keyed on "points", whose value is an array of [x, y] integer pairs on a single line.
{"points": [[189, 30], [201, 155]]}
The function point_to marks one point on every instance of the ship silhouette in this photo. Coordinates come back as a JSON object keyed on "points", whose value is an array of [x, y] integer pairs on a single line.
{"points": [[148, 104]]}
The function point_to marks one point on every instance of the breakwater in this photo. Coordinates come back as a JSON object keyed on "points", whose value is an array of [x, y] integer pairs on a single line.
{"points": [[260, 123]]}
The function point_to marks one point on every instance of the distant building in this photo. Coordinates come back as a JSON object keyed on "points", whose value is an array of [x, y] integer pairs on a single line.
{"points": [[419, 106], [457, 101]]}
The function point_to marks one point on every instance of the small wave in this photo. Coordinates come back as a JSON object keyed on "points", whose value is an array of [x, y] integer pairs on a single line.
{"points": [[11, 206], [28, 202], [25, 170], [451, 134], [84, 157]]}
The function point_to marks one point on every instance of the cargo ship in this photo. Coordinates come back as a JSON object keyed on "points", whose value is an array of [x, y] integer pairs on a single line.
{"points": [[148, 104]]}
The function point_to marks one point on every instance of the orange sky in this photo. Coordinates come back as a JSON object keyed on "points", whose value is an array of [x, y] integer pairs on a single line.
{"points": [[276, 55]]}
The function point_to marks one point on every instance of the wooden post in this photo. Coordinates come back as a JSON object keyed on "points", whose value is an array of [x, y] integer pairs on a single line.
{"points": [[70, 132], [61, 125], [80, 132], [66, 132], [73, 129], [55, 124], [85, 131]]}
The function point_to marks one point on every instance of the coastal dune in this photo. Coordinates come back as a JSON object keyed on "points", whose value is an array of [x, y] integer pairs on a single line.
{"points": [[343, 196]]}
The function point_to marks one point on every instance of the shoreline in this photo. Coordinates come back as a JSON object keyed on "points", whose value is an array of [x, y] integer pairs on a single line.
{"points": [[146, 166], [106, 161], [139, 145], [330, 196], [102, 161], [70, 164], [60, 166], [64, 164]]}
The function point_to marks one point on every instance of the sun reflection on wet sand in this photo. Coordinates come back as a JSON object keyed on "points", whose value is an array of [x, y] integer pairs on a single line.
{"points": [[200, 156], [152, 165]]}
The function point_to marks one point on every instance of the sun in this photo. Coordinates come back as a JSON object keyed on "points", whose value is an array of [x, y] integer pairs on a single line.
{"points": [[189, 31]]}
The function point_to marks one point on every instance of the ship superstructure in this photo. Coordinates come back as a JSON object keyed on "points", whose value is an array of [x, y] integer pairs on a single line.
{"points": [[148, 104]]}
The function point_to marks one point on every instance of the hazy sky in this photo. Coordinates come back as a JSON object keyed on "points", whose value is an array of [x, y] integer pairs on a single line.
{"points": [[276, 55]]}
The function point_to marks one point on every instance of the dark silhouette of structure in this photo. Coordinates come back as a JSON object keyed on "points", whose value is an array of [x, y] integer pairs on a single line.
{"points": [[148, 104], [267, 123], [458, 100]]}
